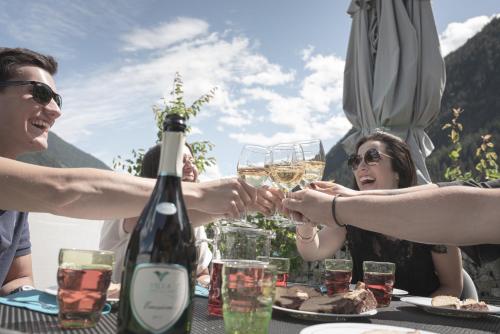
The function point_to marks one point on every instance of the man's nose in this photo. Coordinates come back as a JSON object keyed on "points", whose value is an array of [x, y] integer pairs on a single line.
{"points": [[53, 110]]}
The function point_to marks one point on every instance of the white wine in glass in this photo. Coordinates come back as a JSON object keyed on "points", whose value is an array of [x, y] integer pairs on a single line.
{"points": [[287, 175], [251, 168], [254, 176], [313, 171], [314, 161], [286, 170]]}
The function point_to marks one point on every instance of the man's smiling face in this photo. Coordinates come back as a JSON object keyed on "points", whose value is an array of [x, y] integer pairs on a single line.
{"points": [[25, 123]]}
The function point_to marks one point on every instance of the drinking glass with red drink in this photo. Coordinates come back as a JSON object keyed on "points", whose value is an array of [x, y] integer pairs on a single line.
{"points": [[234, 243], [83, 278], [379, 278], [282, 265], [214, 290], [338, 275]]}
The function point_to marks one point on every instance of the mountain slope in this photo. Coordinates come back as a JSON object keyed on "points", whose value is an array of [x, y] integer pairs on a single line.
{"points": [[62, 154]]}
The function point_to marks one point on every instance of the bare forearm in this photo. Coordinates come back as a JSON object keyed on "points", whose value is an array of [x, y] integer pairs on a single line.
{"points": [[307, 242], [77, 192], [198, 218], [15, 283], [453, 215], [324, 244], [446, 291], [398, 191]]}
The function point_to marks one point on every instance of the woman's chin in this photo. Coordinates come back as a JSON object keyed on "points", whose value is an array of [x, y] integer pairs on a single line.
{"points": [[368, 186]]}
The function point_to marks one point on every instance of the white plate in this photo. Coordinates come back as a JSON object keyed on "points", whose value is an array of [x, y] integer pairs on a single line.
{"points": [[425, 304], [52, 290], [395, 292], [323, 316], [353, 328]]}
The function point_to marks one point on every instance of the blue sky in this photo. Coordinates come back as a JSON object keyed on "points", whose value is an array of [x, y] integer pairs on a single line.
{"points": [[278, 66]]}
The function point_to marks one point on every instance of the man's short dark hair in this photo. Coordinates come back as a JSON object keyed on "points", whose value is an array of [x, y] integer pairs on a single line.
{"points": [[13, 58]]}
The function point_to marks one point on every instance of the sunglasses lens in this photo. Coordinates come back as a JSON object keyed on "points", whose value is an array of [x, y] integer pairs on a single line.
{"points": [[372, 156], [43, 94], [353, 161]]}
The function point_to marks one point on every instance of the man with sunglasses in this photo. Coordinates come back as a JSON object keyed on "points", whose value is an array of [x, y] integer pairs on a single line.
{"points": [[29, 106]]}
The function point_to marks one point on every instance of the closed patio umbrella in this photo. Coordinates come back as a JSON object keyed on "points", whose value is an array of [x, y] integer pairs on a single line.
{"points": [[394, 74]]}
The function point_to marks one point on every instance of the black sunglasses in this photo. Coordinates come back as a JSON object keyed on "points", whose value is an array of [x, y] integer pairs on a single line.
{"points": [[41, 92], [372, 157]]}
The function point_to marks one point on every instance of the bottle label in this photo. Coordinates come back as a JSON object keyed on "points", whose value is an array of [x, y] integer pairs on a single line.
{"points": [[159, 295], [172, 152], [166, 208]]}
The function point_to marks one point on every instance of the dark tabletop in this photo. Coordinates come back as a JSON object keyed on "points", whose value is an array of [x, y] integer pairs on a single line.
{"points": [[397, 314]]}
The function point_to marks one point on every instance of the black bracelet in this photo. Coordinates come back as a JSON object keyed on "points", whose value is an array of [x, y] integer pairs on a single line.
{"points": [[333, 212]]}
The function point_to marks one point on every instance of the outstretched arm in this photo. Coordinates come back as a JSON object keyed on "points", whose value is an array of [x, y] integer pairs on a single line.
{"points": [[337, 189], [453, 215], [99, 194], [77, 192]]}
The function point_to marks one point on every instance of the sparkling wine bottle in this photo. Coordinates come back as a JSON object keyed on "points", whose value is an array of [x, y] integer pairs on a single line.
{"points": [[160, 263]]}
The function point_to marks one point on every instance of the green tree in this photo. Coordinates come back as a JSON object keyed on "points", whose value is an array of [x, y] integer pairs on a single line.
{"points": [[175, 105], [486, 167]]}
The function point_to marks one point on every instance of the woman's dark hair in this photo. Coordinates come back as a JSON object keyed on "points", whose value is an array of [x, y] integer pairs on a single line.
{"points": [[13, 58], [151, 161], [401, 162]]}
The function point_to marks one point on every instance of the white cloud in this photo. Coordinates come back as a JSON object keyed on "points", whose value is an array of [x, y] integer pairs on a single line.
{"points": [[52, 26], [457, 33], [256, 101], [260, 71], [166, 34], [125, 91], [315, 112], [211, 173]]}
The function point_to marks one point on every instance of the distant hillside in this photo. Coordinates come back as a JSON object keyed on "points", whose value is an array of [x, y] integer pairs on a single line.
{"points": [[62, 154], [472, 83]]}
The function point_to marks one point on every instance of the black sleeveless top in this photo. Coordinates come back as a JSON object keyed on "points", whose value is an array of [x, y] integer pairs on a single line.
{"points": [[415, 271]]}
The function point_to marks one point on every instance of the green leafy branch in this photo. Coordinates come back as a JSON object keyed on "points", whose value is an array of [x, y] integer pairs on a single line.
{"points": [[487, 167], [454, 172], [175, 105]]}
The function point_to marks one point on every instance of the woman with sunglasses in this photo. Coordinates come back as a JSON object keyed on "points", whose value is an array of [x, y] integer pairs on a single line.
{"points": [[383, 161]]}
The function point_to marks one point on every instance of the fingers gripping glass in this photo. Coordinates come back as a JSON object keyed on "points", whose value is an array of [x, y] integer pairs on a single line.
{"points": [[371, 157], [41, 92]]}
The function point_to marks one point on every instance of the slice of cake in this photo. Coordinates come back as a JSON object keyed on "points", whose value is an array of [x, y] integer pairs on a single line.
{"points": [[292, 297], [457, 304], [446, 302], [354, 302]]}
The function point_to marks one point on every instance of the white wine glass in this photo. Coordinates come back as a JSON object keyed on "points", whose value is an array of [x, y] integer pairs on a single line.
{"points": [[314, 161], [252, 165], [252, 169], [287, 169]]}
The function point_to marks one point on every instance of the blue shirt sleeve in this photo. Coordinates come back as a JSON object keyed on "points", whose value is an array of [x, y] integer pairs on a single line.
{"points": [[24, 246]]}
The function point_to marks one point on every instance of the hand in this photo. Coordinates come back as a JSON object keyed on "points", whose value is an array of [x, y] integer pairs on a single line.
{"points": [[309, 205], [268, 199], [333, 189], [224, 197]]}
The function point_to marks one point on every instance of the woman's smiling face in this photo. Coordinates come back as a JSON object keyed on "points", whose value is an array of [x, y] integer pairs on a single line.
{"points": [[189, 170], [376, 176]]}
